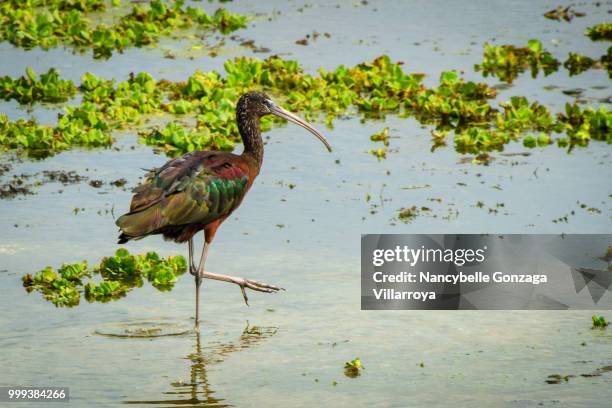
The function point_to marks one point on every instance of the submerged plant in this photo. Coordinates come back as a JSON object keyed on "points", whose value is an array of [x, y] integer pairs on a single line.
{"points": [[120, 273]]}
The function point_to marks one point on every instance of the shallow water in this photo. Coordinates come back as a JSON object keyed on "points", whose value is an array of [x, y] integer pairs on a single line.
{"points": [[295, 343]]}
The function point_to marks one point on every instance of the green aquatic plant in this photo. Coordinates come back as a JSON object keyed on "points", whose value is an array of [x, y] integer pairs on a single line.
{"points": [[577, 64], [558, 378], [129, 269], [408, 214], [600, 32], [380, 153], [519, 116], [382, 136], [144, 25], [51, 23], [606, 62], [174, 139], [475, 140], [105, 291], [353, 368], [454, 103], [599, 322], [508, 61], [584, 125], [29, 88], [41, 140], [540, 140], [563, 13], [120, 273], [61, 287], [206, 100]]}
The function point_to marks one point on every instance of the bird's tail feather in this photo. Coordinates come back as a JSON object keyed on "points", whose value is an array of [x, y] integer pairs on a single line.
{"points": [[139, 224]]}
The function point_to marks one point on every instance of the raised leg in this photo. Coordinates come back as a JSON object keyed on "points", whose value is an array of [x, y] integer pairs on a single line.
{"points": [[201, 274]]}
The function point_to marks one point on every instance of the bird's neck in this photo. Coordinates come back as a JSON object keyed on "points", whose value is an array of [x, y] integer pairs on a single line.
{"points": [[250, 132]]}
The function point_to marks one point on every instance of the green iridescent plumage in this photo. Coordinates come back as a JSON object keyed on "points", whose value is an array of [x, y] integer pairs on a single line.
{"points": [[195, 189]]}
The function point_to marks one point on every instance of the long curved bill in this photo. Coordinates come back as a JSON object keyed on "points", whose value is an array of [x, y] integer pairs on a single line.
{"points": [[285, 114]]}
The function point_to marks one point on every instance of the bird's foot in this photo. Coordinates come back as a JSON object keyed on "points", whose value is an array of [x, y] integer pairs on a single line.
{"points": [[256, 286], [242, 283]]}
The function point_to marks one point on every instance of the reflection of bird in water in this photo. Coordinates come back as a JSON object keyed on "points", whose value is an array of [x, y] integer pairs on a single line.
{"points": [[197, 391]]}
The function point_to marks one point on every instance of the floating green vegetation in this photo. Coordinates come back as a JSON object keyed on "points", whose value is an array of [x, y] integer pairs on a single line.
{"points": [[577, 64], [369, 90], [600, 32], [59, 287], [519, 116], [599, 322], [380, 153], [51, 23], [563, 13], [408, 214], [175, 138], [41, 140], [508, 61], [29, 89], [382, 136], [120, 273], [558, 378], [353, 368], [606, 62]]}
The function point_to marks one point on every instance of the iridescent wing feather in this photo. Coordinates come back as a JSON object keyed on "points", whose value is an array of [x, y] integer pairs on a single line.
{"points": [[195, 189]]}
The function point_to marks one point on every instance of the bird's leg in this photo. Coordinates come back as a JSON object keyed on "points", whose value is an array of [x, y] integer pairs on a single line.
{"points": [[198, 282], [192, 268], [243, 283], [194, 272], [200, 274]]}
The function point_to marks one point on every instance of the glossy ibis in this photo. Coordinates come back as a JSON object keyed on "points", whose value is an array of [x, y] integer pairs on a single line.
{"points": [[199, 190]]}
